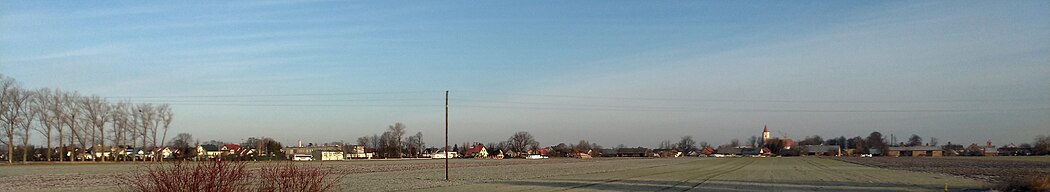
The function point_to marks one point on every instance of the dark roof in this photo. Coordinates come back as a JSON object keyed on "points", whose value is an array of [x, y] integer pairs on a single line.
{"points": [[821, 148], [634, 150], [916, 148], [210, 147], [729, 150]]}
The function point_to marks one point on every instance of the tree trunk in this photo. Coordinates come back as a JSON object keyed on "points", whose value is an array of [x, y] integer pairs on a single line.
{"points": [[48, 152], [61, 145], [25, 145], [10, 142]]}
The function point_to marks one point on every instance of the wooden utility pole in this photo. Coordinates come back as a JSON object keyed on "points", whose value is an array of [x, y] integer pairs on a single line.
{"points": [[446, 135]]}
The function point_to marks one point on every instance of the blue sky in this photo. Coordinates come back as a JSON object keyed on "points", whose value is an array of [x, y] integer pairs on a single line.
{"points": [[634, 73]]}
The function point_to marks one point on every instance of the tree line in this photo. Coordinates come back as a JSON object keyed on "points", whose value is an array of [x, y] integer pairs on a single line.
{"points": [[393, 144], [77, 123]]}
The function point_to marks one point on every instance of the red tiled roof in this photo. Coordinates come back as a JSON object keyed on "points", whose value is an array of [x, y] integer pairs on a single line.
{"points": [[232, 146], [475, 149]]}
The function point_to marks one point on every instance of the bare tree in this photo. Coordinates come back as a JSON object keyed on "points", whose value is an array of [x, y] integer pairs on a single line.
{"points": [[521, 141], [165, 116], [366, 142], [415, 144], [914, 140], [182, 143], [666, 144], [387, 144], [7, 87], [1041, 145], [122, 127], [397, 131], [96, 111], [753, 141], [15, 102], [46, 117], [686, 144], [419, 142], [812, 140], [876, 141], [582, 146], [73, 112], [29, 111], [58, 108]]}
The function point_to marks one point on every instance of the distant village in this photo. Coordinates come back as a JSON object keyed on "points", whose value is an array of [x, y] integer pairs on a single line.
{"points": [[522, 145], [76, 127]]}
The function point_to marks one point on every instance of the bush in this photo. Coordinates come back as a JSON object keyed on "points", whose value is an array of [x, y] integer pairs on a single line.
{"points": [[180, 176], [1025, 182], [290, 177]]}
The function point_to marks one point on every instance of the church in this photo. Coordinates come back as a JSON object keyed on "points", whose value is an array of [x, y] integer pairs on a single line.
{"points": [[771, 145]]}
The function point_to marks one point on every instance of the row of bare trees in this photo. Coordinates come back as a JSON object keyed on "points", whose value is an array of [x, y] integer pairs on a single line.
{"points": [[76, 122], [393, 144]]}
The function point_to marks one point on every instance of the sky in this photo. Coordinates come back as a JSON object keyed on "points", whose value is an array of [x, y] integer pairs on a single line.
{"points": [[610, 72]]}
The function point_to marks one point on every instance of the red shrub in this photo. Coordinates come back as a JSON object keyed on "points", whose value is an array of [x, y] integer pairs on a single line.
{"points": [[221, 176], [290, 177], [202, 176]]}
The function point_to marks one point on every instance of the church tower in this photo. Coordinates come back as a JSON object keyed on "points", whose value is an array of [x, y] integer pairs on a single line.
{"points": [[765, 133]]}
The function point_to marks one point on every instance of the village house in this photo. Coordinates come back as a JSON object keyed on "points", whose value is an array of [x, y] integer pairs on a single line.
{"points": [[478, 151], [229, 149], [987, 150], [916, 151], [208, 152], [358, 152], [167, 153]]}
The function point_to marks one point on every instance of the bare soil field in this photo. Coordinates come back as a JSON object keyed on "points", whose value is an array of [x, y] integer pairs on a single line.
{"points": [[734, 174], [982, 168], [675, 174]]}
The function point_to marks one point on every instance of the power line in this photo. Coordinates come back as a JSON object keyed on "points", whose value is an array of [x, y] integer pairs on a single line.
{"points": [[754, 100], [269, 95]]}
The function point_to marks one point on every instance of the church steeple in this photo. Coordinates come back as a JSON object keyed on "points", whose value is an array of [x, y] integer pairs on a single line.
{"points": [[765, 133]]}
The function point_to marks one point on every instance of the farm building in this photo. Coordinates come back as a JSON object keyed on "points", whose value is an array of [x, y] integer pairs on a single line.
{"points": [[729, 150], [822, 150], [307, 150], [917, 151], [327, 155]]}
